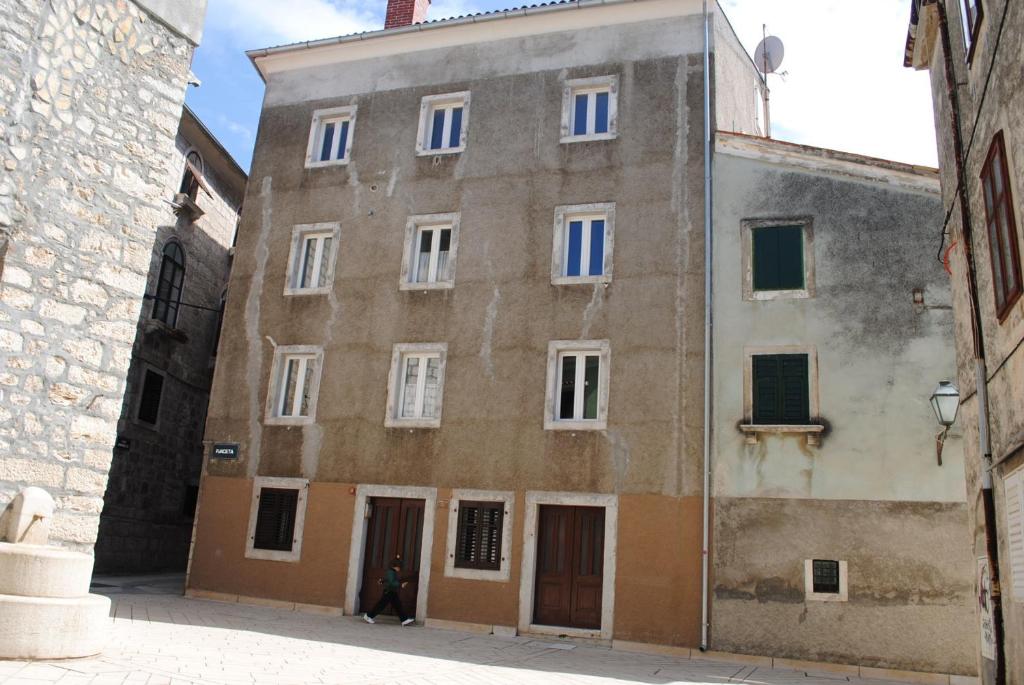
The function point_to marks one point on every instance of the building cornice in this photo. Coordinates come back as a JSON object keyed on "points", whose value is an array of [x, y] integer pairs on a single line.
{"points": [[810, 158]]}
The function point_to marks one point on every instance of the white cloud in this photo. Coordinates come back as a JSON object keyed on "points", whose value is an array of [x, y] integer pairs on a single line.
{"points": [[263, 23], [846, 86]]}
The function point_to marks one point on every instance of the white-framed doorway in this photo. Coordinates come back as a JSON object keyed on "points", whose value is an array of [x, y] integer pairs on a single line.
{"points": [[358, 544], [528, 574]]}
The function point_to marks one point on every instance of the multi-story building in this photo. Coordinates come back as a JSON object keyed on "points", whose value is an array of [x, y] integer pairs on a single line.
{"points": [[147, 518], [831, 332], [90, 98], [467, 327], [972, 51]]}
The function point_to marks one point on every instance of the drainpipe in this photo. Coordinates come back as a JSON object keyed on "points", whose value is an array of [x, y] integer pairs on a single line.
{"points": [[704, 619], [980, 371]]}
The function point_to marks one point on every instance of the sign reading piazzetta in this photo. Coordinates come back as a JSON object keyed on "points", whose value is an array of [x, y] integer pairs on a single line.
{"points": [[983, 583], [225, 450]]}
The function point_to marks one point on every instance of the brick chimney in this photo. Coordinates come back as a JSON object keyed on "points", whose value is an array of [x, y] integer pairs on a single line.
{"points": [[405, 13]]}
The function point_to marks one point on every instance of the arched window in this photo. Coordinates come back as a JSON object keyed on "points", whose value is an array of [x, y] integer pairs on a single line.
{"points": [[168, 288], [193, 172]]}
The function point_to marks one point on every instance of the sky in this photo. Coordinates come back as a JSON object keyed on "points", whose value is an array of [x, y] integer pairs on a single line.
{"points": [[843, 84]]}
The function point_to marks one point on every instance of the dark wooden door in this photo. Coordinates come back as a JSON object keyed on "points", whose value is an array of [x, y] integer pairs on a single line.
{"points": [[570, 566], [395, 529]]}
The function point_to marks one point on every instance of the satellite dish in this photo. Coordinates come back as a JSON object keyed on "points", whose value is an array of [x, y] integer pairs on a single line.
{"points": [[768, 55]]}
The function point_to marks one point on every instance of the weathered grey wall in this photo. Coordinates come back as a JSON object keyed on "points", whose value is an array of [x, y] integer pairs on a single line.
{"points": [[871, 494], [90, 96], [146, 524]]}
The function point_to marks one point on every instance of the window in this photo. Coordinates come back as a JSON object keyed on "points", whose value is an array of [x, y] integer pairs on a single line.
{"points": [[970, 18], [169, 284], [416, 385], [149, 400], [583, 242], [478, 543], [480, 535], [590, 109], [443, 124], [220, 321], [190, 502], [777, 258], [825, 580], [577, 385], [192, 177], [781, 393], [1001, 228], [330, 136], [1013, 496], [431, 243], [276, 519], [296, 383], [314, 251]]}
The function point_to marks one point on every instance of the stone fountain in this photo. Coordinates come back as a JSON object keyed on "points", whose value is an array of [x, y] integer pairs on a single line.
{"points": [[45, 605]]}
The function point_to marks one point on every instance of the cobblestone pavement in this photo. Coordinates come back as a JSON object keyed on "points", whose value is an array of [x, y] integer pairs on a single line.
{"points": [[161, 637]]}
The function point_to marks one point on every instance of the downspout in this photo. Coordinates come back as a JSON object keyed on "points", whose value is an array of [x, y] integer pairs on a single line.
{"points": [[704, 619], [980, 371]]}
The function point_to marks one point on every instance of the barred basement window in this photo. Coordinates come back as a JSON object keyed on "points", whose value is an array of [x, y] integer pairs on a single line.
{"points": [[825, 576], [149, 401], [275, 519], [479, 537], [781, 393]]}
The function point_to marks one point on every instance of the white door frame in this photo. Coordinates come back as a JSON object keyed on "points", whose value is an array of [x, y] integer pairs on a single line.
{"points": [[358, 544], [528, 575]]}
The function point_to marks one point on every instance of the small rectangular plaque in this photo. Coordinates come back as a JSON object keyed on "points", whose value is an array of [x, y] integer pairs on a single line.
{"points": [[224, 450]]}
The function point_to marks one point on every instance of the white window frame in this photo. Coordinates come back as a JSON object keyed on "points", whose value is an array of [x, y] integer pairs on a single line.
{"points": [[396, 376], [560, 243], [1013, 505], [300, 234], [504, 572], [747, 228], [274, 397], [413, 227], [321, 118], [428, 105], [811, 596], [579, 86], [295, 554], [556, 349]]}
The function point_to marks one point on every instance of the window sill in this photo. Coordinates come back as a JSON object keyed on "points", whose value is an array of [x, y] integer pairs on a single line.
{"points": [[183, 204], [411, 423], [768, 295], [436, 285], [589, 138], [292, 292], [753, 431], [288, 420], [581, 280], [441, 151], [498, 576], [565, 425], [272, 555], [328, 163]]}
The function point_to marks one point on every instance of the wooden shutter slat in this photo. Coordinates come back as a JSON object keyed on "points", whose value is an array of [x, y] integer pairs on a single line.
{"points": [[275, 519]]}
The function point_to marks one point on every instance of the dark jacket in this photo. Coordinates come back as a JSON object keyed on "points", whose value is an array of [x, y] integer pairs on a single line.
{"points": [[391, 581]]}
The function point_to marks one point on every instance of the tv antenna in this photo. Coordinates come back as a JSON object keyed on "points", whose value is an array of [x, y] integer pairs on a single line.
{"points": [[768, 58]]}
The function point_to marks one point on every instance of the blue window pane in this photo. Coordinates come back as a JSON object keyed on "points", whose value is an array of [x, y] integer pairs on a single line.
{"points": [[572, 266], [343, 140], [437, 131], [453, 141], [325, 151], [580, 118], [597, 247], [601, 118]]}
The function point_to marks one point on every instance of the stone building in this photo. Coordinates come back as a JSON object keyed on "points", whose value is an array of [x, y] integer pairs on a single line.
{"points": [[468, 328], [972, 50], [146, 524], [830, 334], [90, 97]]}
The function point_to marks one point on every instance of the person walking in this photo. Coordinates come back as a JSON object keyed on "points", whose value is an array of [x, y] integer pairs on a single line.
{"points": [[392, 583]]}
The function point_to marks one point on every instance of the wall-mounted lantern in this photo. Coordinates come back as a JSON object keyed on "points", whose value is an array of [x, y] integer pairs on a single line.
{"points": [[945, 403]]}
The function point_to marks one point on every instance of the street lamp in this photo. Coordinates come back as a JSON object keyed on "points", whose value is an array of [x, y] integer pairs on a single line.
{"points": [[945, 403]]}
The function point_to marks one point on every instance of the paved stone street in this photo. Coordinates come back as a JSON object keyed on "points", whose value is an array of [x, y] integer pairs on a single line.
{"points": [[161, 637]]}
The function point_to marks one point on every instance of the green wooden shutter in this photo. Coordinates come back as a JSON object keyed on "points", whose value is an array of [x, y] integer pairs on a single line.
{"points": [[780, 392], [778, 258]]}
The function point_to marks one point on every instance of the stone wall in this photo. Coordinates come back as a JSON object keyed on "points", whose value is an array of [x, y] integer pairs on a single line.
{"points": [[90, 96], [146, 524]]}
